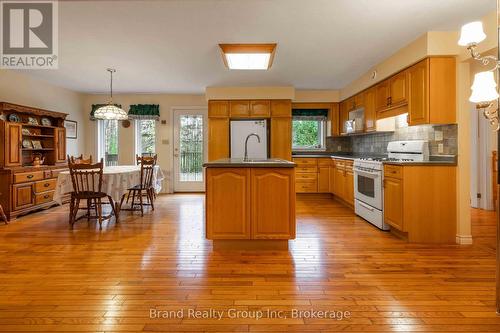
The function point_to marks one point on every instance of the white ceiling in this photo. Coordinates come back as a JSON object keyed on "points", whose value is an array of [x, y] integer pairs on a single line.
{"points": [[171, 46]]}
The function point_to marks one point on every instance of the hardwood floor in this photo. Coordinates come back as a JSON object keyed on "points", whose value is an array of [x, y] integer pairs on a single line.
{"points": [[53, 279]]}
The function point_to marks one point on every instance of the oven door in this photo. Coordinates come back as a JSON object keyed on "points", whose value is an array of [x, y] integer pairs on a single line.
{"points": [[368, 187]]}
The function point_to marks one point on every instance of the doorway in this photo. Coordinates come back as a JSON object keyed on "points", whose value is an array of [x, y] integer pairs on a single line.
{"points": [[190, 146]]}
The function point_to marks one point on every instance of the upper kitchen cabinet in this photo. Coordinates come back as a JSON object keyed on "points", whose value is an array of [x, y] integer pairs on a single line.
{"points": [[432, 91], [281, 108], [281, 138], [382, 95], [239, 109], [218, 109], [334, 116], [218, 138], [260, 108], [359, 100], [343, 116], [398, 90], [370, 110], [391, 95]]}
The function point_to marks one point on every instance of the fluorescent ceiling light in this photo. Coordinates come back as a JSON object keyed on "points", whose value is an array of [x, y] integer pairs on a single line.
{"points": [[248, 56]]}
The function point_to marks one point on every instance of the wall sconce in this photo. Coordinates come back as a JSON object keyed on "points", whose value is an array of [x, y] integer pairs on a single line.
{"points": [[484, 88]]}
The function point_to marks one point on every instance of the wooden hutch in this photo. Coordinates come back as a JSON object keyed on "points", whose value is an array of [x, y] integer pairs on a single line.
{"points": [[25, 187]]}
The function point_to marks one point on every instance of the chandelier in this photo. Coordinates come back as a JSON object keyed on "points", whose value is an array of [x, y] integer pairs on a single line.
{"points": [[484, 87], [110, 111]]}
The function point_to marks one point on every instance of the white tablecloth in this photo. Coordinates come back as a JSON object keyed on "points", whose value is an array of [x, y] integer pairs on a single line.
{"points": [[115, 181]]}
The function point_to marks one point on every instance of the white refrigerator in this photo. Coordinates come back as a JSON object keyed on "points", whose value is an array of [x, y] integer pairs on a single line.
{"points": [[240, 129]]}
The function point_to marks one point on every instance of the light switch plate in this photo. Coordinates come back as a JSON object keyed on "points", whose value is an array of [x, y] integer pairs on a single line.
{"points": [[164, 142], [438, 135]]}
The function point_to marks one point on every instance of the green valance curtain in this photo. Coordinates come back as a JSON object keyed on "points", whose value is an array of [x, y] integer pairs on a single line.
{"points": [[310, 114], [144, 111], [97, 106]]}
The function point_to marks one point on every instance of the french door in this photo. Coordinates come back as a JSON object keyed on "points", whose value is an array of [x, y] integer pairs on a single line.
{"points": [[190, 145]]}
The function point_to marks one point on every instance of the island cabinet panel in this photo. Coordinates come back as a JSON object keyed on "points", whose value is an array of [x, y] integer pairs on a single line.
{"points": [[228, 203], [273, 203], [281, 138], [13, 138], [218, 138]]}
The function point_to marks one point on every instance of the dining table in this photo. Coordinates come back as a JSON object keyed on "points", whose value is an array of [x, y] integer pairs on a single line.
{"points": [[116, 181]]}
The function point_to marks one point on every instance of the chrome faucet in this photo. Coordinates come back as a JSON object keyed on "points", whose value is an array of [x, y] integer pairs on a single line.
{"points": [[246, 144]]}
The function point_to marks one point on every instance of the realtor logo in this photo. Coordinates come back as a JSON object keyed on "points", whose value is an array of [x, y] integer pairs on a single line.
{"points": [[29, 34]]}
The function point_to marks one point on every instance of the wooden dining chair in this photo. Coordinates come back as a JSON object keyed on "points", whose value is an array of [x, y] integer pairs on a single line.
{"points": [[87, 185], [145, 188], [139, 159], [80, 159]]}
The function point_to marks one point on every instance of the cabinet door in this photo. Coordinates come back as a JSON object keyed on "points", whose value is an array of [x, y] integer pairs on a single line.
{"points": [[60, 144], [359, 100], [273, 203], [218, 138], [22, 196], [260, 108], [228, 203], [324, 179], [281, 108], [343, 116], [370, 111], [218, 109], [393, 202], [418, 101], [239, 109], [349, 187], [13, 137], [281, 138], [334, 119], [398, 89], [339, 182], [331, 188], [382, 96]]}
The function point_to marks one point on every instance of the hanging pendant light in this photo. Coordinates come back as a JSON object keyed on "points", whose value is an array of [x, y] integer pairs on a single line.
{"points": [[110, 111]]}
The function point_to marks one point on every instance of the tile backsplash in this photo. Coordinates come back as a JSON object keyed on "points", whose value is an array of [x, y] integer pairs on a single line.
{"points": [[376, 143]]}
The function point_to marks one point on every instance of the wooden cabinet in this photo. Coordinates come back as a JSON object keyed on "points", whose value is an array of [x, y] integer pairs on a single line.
{"points": [[339, 179], [281, 138], [349, 186], [250, 203], [22, 196], [323, 178], [359, 100], [393, 203], [370, 110], [343, 182], [218, 109], [260, 109], [432, 91], [218, 138], [306, 175], [60, 144], [398, 89], [382, 95], [281, 108], [239, 109], [331, 170], [230, 186], [13, 144], [273, 204], [334, 117], [343, 116]]}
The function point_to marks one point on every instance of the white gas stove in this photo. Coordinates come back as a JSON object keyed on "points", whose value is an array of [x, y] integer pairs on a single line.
{"points": [[368, 178]]}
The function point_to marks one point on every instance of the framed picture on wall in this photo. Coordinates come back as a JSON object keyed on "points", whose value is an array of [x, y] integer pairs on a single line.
{"points": [[71, 129]]}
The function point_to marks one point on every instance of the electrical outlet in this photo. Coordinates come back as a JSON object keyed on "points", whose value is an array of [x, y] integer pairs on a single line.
{"points": [[372, 149], [440, 148], [339, 148], [438, 135]]}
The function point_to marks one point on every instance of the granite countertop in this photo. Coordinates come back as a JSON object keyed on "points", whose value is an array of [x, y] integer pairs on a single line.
{"points": [[251, 163]]}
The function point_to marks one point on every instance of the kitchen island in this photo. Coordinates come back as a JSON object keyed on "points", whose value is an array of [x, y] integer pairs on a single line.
{"points": [[250, 204]]}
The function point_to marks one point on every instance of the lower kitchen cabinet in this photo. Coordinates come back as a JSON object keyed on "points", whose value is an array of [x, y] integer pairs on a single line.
{"points": [[339, 181], [420, 202], [349, 185], [313, 174], [22, 196]]}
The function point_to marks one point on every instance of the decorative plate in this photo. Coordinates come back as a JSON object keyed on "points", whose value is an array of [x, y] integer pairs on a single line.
{"points": [[27, 144], [14, 118], [46, 121], [126, 123], [32, 121]]}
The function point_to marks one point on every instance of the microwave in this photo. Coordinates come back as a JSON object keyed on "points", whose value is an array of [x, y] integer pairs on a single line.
{"points": [[354, 125]]}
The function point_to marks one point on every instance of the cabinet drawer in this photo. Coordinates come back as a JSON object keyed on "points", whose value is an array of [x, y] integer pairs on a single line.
{"points": [[306, 169], [303, 161], [306, 187], [324, 161], [393, 171], [46, 185], [41, 198], [306, 176], [340, 164], [27, 176]]}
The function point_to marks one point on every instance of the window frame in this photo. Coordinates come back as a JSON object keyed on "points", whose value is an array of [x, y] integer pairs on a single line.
{"points": [[321, 135], [138, 135], [101, 140]]}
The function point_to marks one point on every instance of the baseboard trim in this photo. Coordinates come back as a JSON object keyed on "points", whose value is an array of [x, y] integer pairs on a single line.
{"points": [[464, 239]]}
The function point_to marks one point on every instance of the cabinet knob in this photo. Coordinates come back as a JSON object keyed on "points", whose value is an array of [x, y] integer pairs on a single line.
{"points": [[29, 176], [46, 185]]}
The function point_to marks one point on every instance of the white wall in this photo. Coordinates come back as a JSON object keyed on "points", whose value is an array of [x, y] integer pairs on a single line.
{"points": [[19, 88]]}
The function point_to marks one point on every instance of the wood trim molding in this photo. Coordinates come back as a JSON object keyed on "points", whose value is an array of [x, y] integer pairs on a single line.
{"points": [[464, 239], [5, 106]]}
